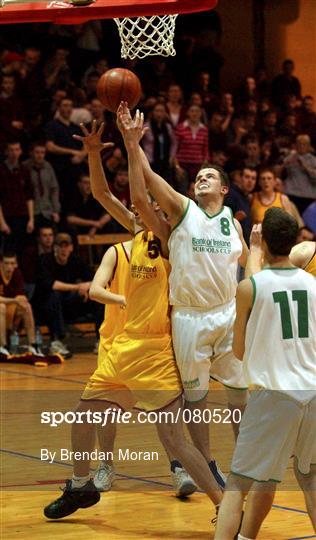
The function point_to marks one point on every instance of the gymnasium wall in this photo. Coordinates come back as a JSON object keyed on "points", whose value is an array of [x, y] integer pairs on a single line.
{"points": [[290, 29]]}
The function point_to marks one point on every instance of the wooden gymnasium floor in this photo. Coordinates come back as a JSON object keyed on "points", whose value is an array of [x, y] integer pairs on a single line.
{"points": [[141, 504]]}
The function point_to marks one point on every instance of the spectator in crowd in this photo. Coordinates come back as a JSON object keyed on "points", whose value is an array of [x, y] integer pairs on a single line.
{"points": [[305, 234], [110, 132], [285, 83], [253, 152], [300, 173], [174, 104], [62, 290], [196, 99], [64, 152], [90, 85], [100, 66], [307, 118], [239, 201], [267, 197], [14, 306], [31, 255], [309, 216], [85, 215], [217, 135], [32, 82], [192, 143], [16, 200], [45, 186], [57, 71], [159, 141], [80, 112], [11, 112]]}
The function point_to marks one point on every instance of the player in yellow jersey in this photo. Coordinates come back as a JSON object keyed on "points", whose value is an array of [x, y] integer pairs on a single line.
{"points": [[140, 369], [267, 197], [304, 256]]}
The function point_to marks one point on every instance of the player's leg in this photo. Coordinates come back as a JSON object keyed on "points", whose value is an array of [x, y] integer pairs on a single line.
{"points": [[259, 503], [182, 481], [236, 403], [3, 330], [172, 437], [307, 483], [26, 313], [230, 511], [192, 336], [80, 491], [105, 473]]}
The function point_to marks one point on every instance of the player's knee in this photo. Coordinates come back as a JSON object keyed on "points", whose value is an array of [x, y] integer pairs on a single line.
{"points": [[236, 398], [307, 482]]}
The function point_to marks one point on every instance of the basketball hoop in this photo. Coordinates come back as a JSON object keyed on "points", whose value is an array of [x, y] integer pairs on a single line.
{"points": [[147, 36], [145, 27]]}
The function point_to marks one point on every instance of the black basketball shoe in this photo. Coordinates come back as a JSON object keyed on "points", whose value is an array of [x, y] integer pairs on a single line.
{"points": [[72, 499]]}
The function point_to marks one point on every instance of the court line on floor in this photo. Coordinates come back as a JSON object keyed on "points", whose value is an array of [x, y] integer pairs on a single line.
{"points": [[302, 537], [128, 477], [42, 376]]}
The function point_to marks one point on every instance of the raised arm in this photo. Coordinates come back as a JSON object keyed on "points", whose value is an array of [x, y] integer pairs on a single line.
{"points": [[169, 200], [132, 131], [244, 300], [102, 279], [99, 186]]}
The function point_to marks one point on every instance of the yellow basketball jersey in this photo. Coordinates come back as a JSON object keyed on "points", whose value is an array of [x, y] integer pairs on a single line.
{"points": [[147, 311], [258, 208], [115, 315], [311, 266]]}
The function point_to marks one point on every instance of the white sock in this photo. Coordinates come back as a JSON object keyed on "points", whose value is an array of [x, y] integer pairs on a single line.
{"points": [[79, 481], [240, 537]]}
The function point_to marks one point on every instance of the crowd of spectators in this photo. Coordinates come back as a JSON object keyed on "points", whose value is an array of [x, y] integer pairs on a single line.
{"points": [[263, 134]]}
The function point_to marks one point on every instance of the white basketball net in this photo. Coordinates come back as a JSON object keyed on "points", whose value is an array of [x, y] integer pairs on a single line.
{"points": [[147, 36]]}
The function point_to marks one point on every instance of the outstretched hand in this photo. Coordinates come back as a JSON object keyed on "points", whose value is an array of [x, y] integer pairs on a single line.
{"points": [[92, 141], [132, 129], [256, 236]]}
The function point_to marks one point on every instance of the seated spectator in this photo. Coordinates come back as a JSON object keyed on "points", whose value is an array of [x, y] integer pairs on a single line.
{"points": [[192, 143], [45, 186], [267, 197], [85, 215], [80, 113], [90, 86], [159, 142], [16, 200], [14, 306], [31, 256], [269, 125], [300, 173], [238, 199], [61, 291]]}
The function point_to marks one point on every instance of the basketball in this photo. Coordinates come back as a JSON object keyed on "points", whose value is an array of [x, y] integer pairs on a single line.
{"points": [[117, 85]]}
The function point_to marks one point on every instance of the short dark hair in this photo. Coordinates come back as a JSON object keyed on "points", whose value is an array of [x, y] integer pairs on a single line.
{"points": [[279, 231], [224, 178], [267, 169], [8, 254]]}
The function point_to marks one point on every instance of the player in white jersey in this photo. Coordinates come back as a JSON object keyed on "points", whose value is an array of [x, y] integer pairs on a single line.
{"points": [[274, 335], [205, 246]]}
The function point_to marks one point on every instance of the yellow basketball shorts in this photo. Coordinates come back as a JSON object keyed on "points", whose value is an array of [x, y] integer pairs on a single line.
{"points": [[137, 372]]}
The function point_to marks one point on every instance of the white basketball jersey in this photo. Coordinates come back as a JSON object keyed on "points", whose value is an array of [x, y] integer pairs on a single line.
{"points": [[204, 252], [280, 352]]}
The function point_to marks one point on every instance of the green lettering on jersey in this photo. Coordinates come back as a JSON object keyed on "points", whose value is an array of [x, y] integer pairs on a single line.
{"points": [[281, 298]]}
